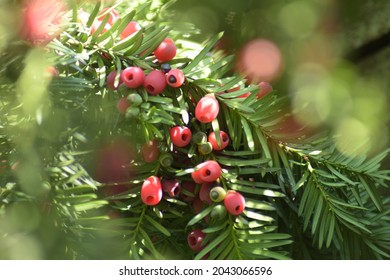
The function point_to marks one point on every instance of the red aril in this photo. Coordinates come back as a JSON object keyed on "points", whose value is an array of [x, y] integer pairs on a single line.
{"points": [[234, 202], [151, 191], [223, 137], [155, 82], [207, 109], [133, 76]]}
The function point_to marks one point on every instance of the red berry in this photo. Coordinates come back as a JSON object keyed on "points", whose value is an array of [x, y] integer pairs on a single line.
{"points": [[195, 176], [150, 151], [209, 171], [224, 140], [122, 105], [171, 187], [151, 191], [204, 192], [234, 202], [166, 50], [195, 239], [265, 88], [175, 78], [111, 80], [133, 77], [130, 29], [113, 16], [155, 82], [207, 109], [180, 136]]}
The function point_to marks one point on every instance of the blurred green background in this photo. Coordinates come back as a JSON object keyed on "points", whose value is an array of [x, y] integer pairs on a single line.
{"points": [[334, 58]]}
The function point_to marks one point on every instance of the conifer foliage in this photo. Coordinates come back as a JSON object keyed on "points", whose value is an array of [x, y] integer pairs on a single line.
{"points": [[121, 139]]}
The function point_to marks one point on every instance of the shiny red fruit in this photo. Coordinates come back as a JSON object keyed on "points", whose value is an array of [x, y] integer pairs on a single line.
{"points": [[195, 239], [155, 82], [133, 76], [224, 140], [122, 105], [111, 80], [151, 191], [180, 136], [166, 50], [130, 29], [208, 171], [207, 109], [195, 176], [171, 187], [150, 151], [234, 202], [265, 88], [175, 78]]}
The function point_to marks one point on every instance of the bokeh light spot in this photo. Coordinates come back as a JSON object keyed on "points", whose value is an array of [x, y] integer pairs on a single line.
{"points": [[260, 60], [352, 137], [298, 19]]}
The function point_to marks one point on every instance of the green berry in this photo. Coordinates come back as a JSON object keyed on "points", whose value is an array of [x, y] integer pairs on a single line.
{"points": [[217, 194], [199, 137], [166, 159], [218, 212], [134, 99], [205, 148], [132, 112]]}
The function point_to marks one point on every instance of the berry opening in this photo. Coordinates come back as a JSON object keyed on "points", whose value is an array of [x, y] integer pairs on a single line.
{"points": [[175, 191], [184, 136], [192, 241], [150, 199], [238, 208], [150, 88], [172, 79], [130, 76]]}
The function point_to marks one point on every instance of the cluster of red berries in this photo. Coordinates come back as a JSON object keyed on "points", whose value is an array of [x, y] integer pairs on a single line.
{"points": [[133, 77], [203, 188]]}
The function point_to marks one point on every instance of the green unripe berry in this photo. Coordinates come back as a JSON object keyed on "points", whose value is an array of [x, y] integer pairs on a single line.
{"points": [[199, 137], [132, 112], [205, 148], [218, 212], [166, 159], [134, 99], [217, 194]]}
